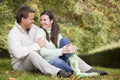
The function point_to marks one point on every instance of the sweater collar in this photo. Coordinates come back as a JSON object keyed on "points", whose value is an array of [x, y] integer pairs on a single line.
{"points": [[20, 27], [48, 30]]}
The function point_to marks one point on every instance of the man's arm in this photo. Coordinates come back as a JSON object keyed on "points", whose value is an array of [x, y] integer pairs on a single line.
{"points": [[17, 49]]}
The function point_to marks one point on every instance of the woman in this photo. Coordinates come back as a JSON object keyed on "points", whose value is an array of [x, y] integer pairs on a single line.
{"points": [[54, 41]]}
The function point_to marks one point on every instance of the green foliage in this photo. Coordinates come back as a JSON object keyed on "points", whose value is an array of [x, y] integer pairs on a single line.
{"points": [[95, 21], [6, 16], [91, 23]]}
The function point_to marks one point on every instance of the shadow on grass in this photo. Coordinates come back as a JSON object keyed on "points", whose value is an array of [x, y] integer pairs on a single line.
{"points": [[4, 53], [109, 58]]}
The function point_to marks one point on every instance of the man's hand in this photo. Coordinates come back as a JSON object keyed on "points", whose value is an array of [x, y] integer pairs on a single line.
{"points": [[41, 42]]}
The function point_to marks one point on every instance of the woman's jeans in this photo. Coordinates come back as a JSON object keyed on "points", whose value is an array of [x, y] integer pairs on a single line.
{"points": [[61, 64], [63, 42], [62, 61]]}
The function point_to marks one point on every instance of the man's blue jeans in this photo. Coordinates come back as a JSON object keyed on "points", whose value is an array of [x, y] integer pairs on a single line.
{"points": [[62, 61]]}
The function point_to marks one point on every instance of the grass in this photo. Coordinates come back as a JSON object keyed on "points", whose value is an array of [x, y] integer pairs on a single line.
{"points": [[7, 73]]}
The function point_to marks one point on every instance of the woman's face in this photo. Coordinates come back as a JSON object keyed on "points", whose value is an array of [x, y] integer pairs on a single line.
{"points": [[45, 22]]}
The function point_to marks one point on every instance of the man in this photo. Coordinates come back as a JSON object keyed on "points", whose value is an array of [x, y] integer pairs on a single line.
{"points": [[24, 50]]}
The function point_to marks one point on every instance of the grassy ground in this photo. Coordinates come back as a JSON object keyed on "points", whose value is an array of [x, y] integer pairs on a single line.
{"points": [[6, 73]]}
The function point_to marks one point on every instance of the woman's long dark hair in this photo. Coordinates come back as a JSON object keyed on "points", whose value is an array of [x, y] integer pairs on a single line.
{"points": [[54, 28]]}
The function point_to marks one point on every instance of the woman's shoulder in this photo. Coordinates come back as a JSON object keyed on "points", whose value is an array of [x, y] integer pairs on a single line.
{"points": [[37, 28], [40, 33], [41, 30]]}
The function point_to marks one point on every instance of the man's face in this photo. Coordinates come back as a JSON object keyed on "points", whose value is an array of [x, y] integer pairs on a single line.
{"points": [[27, 22]]}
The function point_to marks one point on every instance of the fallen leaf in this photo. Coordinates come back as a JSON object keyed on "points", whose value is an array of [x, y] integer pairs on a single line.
{"points": [[74, 77], [7, 72], [23, 74], [12, 78]]}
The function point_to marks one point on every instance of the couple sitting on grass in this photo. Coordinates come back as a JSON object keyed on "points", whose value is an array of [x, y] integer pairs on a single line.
{"points": [[32, 48]]}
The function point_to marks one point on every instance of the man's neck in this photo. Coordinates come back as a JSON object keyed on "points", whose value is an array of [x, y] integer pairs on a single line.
{"points": [[25, 29]]}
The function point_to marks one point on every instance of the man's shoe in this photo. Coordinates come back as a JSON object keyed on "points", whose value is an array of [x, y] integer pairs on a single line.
{"points": [[98, 71], [63, 73]]}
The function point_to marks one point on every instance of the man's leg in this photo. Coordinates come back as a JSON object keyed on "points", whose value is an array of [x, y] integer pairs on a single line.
{"points": [[47, 68], [42, 64], [34, 60], [87, 68], [83, 65]]}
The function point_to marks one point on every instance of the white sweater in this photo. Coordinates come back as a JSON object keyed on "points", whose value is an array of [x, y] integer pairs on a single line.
{"points": [[20, 44], [49, 52]]}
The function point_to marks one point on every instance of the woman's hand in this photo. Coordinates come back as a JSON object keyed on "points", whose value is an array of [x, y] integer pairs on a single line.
{"points": [[68, 49]]}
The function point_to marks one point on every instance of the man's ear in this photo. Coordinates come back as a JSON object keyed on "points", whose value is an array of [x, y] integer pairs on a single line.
{"points": [[23, 19]]}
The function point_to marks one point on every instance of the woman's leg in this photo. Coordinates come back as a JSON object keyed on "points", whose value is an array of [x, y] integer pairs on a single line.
{"points": [[83, 66], [59, 63], [63, 42], [71, 58]]}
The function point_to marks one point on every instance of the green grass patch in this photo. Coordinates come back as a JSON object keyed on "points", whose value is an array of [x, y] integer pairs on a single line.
{"points": [[7, 73]]}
